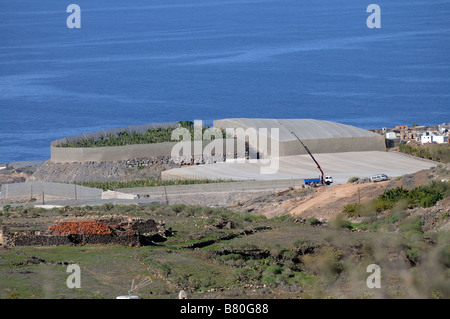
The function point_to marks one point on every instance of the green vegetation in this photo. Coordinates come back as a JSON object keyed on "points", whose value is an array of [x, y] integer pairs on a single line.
{"points": [[352, 210], [313, 221], [422, 196], [151, 136], [435, 152], [149, 183], [286, 257], [353, 179]]}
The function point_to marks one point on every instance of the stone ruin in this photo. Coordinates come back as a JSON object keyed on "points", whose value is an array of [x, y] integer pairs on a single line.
{"points": [[116, 230]]}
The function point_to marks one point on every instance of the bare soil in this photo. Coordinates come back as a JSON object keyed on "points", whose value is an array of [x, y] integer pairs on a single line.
{"points": [[326, 202]]}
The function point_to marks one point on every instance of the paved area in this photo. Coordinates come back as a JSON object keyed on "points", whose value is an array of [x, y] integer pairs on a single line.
{"points": [[341, 166]]}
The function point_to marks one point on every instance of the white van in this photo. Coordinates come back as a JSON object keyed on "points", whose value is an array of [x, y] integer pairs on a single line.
{"points": [[378, 178]]}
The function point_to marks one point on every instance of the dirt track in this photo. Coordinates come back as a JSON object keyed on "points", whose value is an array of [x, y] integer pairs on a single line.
{"points": [[322, 202], [328, 201]]}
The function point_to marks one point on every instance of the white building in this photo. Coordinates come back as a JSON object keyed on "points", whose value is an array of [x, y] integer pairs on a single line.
{"points": [[431, 137], [391, 135]]}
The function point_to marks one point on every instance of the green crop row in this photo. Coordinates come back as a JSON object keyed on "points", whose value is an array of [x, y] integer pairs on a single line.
{"points": [[149, 183], [151, 136]]}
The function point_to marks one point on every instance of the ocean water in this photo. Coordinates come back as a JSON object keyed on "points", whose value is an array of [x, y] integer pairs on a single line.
{"points": [[140, 61]]}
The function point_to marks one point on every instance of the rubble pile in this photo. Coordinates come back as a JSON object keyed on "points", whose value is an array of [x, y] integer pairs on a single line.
{"points": [[82, 227]]}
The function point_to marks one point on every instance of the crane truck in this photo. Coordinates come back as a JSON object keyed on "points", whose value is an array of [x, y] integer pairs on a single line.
{"points": [[322, 180]]}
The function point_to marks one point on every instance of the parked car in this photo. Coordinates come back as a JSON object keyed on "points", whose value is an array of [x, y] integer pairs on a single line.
{"points": [[378, 178]]}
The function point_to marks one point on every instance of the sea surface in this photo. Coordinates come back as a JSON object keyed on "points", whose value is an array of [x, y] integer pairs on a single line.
{"points": [[148, 61]]}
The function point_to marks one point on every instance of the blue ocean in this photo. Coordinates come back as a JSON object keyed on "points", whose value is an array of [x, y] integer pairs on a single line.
{"points": [[143, 61]]}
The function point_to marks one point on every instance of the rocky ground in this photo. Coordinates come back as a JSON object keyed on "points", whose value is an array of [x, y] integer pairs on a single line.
{"points": [[12, 175], [237, 253], [325, 203]]}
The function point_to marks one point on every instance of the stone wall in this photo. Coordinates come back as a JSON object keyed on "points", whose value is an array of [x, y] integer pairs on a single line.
{"points": [[35, 238], [125, 232]]}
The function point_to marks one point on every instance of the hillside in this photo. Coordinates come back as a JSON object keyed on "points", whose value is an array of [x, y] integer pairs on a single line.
{"points": [[324, 203]]}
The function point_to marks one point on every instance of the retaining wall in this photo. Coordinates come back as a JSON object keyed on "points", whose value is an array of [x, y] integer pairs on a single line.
{"points": [[157, 151], [51, 190], [127, 152], [216, 194]]}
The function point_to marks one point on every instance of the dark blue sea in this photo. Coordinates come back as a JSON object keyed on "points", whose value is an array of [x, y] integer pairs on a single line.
{"points": [[143, 61]]}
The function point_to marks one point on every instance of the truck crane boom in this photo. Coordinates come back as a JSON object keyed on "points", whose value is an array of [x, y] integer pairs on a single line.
{"points": [[322, 180]]}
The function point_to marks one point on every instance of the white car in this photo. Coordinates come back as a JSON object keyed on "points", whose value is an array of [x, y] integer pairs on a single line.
{"points": [[328, 180], [378, 178]]}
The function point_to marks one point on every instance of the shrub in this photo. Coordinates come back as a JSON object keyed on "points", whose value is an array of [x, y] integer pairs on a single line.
{"points": [[345, 224], [107, 207], [352, 210], [396, 216], [207, 282], [273, 270], [409, 225], [413, 235], [245, 274], [304, 244], [424, 196], [178, 208], [353, 179], [436, 152], [269, 280], [340, 222], [282, 279], [430, 200], [313, 221], [413, 254], [382, 205]]}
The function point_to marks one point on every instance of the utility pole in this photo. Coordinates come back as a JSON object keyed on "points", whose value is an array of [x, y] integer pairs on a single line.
{"points": [[165, 191]]}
